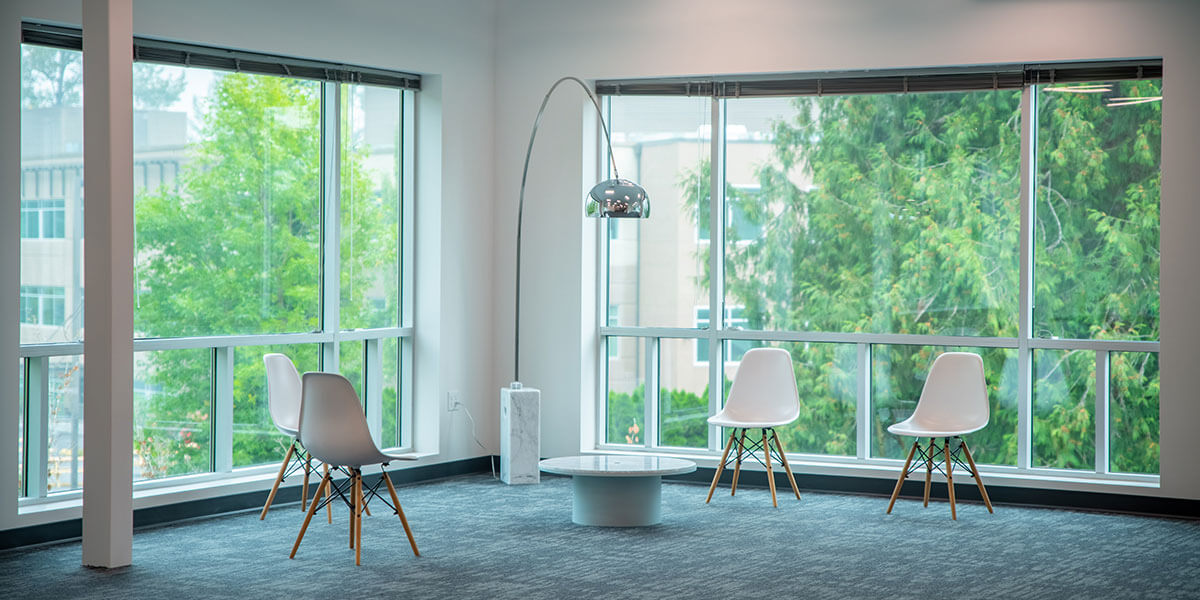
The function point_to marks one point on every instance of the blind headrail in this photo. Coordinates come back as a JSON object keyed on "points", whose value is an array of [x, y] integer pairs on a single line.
{"points": [[884, 81], [196, 55]]}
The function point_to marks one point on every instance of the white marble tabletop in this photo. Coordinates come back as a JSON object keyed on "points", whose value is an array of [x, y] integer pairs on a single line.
{"points": [[617, 466]]}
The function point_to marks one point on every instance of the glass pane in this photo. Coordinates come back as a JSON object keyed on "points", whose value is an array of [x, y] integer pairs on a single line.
{"points": [[350, 365], [682, 396], [255, 438], [1133, 412], [1097, 213], [227, 172], [172, 415], [626, 392], [825, 381], [370, 252], [658, 267], [898, 375], [389, 351], [64, 457], [51, 195], [1064, 407], [21, 401], [884, 213]]}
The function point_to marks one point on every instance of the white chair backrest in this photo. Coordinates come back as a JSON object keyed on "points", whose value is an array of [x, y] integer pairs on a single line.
{"points": [[764, 388], [333, 427], [955, 394], [283, 391]]}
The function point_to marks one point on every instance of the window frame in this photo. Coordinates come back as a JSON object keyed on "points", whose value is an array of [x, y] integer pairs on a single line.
{"points": [[1025, 343], [35, 358]]}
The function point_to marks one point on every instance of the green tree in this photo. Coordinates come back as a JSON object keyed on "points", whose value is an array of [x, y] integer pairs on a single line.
{"points": [[234, 249], [52, 77], [910, 226]]}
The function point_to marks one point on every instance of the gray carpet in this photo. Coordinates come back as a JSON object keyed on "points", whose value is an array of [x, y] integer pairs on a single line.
{"points": [[481, 539]]}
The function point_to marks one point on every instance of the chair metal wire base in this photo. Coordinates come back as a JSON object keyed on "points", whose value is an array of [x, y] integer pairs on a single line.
{"points": [[753, 450], [943, 460]]}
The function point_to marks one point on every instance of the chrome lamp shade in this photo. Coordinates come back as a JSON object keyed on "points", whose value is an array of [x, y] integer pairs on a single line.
{"points": [[617, 199]]}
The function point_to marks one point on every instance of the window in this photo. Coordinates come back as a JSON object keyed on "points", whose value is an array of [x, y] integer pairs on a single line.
{"points": [[42, 305], [51, 195], [236, 245], [734, 319], [872, 221], [43, 218]]}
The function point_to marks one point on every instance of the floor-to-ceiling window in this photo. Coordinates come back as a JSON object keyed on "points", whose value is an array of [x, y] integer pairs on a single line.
{"points": [[272, 214], [868, 222]]}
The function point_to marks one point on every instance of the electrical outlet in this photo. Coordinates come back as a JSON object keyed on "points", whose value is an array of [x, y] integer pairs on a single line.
{"points": [[452, 402]]}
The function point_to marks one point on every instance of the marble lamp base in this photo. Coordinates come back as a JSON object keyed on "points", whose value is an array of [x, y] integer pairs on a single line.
{"points": [[520, 439]]}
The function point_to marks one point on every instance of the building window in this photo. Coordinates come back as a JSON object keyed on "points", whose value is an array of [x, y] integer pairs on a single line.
{"points": [[43, 218], [43, 305], [868, 228]]}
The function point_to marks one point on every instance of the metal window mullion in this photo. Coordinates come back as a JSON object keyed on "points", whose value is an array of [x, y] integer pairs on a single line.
{"points": [[862, 414], [222, 409], [407, 208], [1102, 406], [716, 259], [650, 439], [408, 270], [405, 414], [331, 231], [37, 426], [373, 389], [1028, 169]]}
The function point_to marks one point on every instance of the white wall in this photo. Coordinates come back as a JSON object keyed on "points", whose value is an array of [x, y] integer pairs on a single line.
{"points": [[452, 42], [541, 40]]}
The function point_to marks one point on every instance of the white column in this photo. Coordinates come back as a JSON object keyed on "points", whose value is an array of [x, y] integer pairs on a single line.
{"points": [[108, 279], [10, 256]]}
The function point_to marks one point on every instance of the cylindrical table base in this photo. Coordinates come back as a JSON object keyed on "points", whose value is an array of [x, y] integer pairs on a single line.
{"points": [[617, 501]]}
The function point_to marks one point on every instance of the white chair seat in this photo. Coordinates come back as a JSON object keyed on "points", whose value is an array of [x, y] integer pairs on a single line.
{"points": [[913, 429], [722, 420]]}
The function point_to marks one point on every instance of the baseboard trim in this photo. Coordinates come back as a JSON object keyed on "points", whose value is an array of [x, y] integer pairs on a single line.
{"points": [[963, 491], [72, 529]]}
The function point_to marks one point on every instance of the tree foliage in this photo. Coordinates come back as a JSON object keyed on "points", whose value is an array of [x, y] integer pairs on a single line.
{"points": [[900, 214], [234, 249]]}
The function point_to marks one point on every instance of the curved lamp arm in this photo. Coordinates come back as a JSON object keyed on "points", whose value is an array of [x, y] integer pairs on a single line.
{"points": [[521, 206]]}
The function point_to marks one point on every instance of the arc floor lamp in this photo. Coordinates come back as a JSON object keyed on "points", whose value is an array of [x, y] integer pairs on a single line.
{"points": [[520, 439]]}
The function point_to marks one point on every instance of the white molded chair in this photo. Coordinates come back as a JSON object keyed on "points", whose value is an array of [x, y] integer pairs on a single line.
{"points": [[334, 430], [953, 403], [763, 396], [283, 400]]}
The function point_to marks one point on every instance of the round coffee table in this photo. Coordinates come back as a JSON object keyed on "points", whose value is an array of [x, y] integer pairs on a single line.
{"points": [[617, 491]]}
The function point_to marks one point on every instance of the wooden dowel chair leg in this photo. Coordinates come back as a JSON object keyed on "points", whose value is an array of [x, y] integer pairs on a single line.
{"points": [[975, 471], [766, 446], [903, 474], [354, 510], [950, 479], [737, 467], [783, 459], [287, 459], [720, 466], [328, 495], [400, 512], [304, 488], [358, 492], [928, 470], [308, 515]]}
